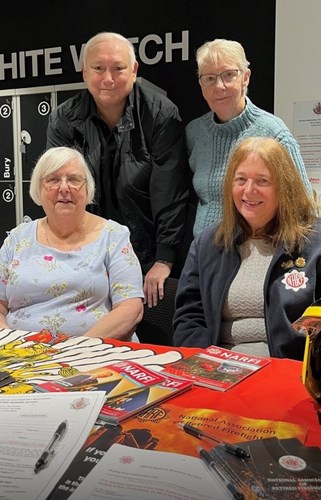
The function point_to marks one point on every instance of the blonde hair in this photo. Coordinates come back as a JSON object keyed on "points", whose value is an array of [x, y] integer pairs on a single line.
{"points": [[296, 211], [221, 51], [51, 161]]}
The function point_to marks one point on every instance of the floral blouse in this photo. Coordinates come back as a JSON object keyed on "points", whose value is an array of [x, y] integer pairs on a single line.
{"points": [[66, 291]]}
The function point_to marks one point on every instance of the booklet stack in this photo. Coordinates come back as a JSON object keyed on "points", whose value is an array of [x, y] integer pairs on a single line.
{"points": [[129, 387]]}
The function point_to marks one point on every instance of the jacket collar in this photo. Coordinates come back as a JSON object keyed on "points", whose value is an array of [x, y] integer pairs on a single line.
{"points": [[127, 120]]}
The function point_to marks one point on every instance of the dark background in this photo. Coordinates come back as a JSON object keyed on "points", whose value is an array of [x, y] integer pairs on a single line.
{"points": [[43, 24], [40, 24]]}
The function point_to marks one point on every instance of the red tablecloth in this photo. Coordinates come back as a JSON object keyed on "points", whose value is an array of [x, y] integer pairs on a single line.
{"points": [[274, 393]]}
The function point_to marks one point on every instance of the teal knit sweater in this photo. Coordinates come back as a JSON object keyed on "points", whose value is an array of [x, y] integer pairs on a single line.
{"points": [[209, 145]]}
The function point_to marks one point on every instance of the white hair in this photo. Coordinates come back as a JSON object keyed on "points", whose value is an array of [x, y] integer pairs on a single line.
{"points": [[221, 51], [106, 36], [51, 161]]}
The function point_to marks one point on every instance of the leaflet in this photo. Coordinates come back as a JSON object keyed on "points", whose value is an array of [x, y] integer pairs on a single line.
{"points": [[29, 425], [125, 472]]}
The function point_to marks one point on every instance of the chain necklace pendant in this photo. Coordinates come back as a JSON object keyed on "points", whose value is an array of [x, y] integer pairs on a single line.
{"points": [[73, 247]]}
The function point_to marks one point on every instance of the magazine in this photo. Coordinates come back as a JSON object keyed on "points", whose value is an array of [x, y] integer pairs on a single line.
{"points": [[217, 368], [129, 387]]}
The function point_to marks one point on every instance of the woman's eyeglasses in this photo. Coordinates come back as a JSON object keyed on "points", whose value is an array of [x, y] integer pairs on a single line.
{"points": [[54, 182], [227, 77]]}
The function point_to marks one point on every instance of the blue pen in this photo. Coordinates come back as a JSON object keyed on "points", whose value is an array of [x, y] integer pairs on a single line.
{"points": [[217, 470]]}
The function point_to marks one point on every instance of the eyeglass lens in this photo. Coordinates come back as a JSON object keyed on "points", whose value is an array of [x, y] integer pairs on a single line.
{"points": [[227, 77], [74, 181]]}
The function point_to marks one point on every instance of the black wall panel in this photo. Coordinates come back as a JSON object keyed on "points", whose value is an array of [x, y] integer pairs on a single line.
{"points": [[28, 28], [41, 42]]}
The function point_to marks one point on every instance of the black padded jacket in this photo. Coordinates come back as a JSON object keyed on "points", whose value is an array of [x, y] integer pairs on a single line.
{"points": [[150, 167]]}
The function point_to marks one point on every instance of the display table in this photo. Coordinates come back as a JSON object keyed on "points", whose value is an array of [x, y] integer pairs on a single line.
{"points": [[274, 393]]}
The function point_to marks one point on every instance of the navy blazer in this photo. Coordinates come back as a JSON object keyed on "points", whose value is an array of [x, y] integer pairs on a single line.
{"points": [[207, 276]]}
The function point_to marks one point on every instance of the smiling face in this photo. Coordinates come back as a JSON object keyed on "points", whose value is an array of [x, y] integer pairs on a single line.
{"points": [[225, 100], [109, 73], [64, 200], [254, 193]]}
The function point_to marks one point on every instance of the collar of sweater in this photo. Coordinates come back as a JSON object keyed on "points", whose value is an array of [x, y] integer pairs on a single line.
{"points": [[237, 124]]}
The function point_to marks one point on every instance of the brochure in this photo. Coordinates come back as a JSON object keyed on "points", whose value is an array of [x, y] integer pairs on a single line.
{"points": [[217, 368]]}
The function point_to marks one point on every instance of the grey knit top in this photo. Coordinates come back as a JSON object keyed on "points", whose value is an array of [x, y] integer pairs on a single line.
{"points": [[209, 144], [243, 327]]}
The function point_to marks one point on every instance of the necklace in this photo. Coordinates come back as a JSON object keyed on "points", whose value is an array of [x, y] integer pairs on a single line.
{"points": [[71, 247]]}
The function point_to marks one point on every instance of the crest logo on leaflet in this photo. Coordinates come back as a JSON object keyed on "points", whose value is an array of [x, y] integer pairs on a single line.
{"points": [[292, 463]]}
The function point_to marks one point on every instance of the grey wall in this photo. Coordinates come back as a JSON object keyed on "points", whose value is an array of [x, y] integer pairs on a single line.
{"points": [[298, 53]]}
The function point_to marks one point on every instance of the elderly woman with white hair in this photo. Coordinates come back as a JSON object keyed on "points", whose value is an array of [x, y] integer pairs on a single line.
{"points": [[71, 271], [224, 76]]}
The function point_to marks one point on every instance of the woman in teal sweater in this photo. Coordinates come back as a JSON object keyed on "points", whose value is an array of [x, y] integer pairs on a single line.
{"points": [[224, 77]]}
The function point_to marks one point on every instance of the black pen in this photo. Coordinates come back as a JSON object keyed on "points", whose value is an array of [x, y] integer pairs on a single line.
{"points": [[217, 470], [231, 448], [48, 452]]}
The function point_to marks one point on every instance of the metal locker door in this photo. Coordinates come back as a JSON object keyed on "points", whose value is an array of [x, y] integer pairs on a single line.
{"points": [[7, 169], [63, 92], [34, 113]]}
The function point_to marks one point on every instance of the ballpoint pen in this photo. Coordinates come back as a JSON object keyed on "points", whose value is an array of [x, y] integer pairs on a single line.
{"points": [[48, 452], [216, 469], [230, 448]]}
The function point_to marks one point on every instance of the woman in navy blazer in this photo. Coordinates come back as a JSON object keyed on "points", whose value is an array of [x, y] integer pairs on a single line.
{"points": [[247, 279]]}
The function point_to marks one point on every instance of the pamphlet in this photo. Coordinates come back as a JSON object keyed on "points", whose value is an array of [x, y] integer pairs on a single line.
{"points": [[278, 468], [217, 368]]}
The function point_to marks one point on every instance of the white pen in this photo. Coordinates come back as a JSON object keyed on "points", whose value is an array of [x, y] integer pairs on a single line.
{"points": [[211, 464], [48, 452]]}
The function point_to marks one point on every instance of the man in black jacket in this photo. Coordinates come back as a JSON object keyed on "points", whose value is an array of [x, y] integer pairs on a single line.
{"points": [[133, 140]]}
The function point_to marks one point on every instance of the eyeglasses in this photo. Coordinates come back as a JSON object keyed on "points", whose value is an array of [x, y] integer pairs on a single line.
{"points": [[227, 77], [240, 180], [54, 182]]}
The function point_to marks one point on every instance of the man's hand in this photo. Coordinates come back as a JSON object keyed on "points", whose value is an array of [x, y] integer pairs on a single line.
{"points": [[154, 282]]}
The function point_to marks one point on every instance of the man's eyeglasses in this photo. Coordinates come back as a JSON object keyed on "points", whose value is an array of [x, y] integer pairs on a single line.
{"points": [[227, 77], [54, 182]]}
